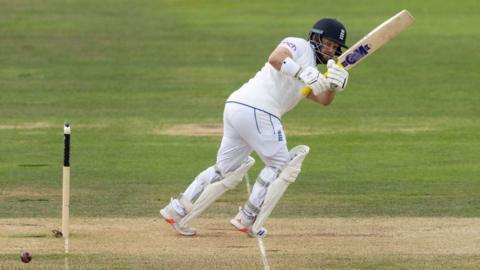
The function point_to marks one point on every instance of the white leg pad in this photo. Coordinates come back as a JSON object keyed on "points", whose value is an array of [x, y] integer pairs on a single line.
{"points": [[213, 191], [275, 191]]}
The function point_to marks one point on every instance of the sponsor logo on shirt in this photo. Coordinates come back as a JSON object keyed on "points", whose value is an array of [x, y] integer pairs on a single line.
{"points": [[291, 45]]}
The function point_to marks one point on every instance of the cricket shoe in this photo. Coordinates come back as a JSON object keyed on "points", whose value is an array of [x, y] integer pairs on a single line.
{"points": [[173, 218], [243, 222]]}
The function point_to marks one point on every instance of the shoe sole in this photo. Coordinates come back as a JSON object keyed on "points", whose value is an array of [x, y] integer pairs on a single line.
{"points": [[238, 226], [171, 221], [261, 234]]}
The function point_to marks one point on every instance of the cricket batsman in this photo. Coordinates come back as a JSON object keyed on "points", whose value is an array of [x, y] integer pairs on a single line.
{"points": [[252, 122]]}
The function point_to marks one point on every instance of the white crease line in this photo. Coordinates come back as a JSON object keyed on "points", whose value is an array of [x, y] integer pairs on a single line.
{"points": [[261, 245]]}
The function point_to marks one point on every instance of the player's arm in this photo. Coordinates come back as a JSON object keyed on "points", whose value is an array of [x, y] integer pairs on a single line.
{"points": [[278, 56], [282, 60], [324, 98]]}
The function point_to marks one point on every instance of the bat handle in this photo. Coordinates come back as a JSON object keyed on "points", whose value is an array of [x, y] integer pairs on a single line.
{"points": [[306, 91]]}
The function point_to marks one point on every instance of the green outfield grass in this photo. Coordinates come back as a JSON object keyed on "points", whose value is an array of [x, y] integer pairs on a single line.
{"points": [[402, 140]]}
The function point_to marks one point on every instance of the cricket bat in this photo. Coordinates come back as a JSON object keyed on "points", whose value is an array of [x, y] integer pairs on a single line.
{"points": [[374, 40]]}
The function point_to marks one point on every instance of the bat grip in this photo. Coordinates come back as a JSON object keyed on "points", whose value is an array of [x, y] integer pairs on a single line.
{"points": [[306, 91]]}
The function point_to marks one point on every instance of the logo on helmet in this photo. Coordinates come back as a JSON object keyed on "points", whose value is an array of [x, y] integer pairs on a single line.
{"points": [[342, 35]]}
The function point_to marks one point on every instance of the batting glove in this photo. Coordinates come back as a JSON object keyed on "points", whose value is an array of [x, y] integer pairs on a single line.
{"points": [[337, 76], [315, 80]]}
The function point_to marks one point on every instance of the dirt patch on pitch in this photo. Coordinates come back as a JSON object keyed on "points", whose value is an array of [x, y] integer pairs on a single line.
{"points": [[334, 236], [210, 129], [38, 125], [313, 243], [216, 130], [194, 129], [45, 125], [29, 192]]}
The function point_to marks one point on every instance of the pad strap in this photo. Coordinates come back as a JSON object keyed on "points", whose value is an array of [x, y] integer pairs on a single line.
{"points": [[262, 182], [279, 185], [251, 208], [214, 190], [187, 205]]}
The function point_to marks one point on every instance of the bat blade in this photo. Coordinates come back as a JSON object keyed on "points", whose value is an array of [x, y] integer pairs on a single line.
{"points": [[377, 38], [374, 40]]}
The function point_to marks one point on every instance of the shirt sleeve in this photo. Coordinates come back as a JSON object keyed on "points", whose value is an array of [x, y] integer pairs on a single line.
{"points": [[296, 46]]}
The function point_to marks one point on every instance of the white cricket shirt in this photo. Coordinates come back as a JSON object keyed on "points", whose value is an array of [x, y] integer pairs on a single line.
{"points": [[272, 91]]}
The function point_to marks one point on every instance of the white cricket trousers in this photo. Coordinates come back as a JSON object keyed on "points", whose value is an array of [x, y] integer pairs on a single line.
{"points": [[246, 129]]}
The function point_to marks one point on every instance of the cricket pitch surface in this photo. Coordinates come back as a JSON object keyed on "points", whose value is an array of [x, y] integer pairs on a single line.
{"points": [[310, 243]]}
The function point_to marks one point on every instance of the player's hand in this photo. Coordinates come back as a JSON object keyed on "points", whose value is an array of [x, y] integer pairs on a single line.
{"points": [[315, 80], [337, 76]]}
